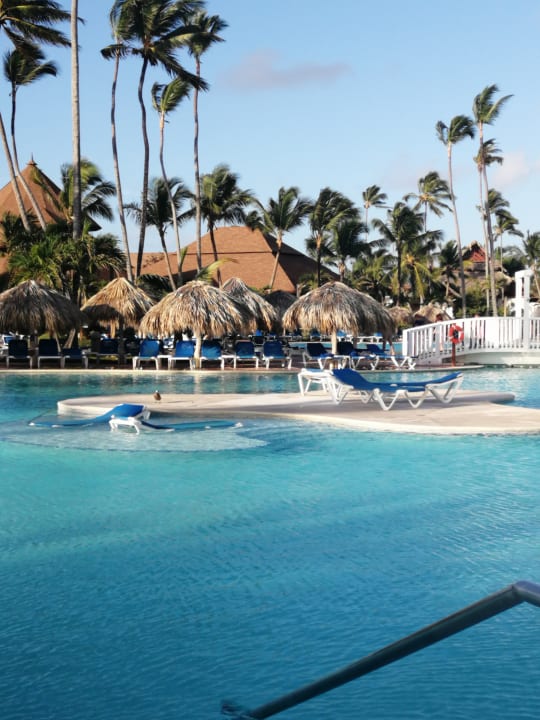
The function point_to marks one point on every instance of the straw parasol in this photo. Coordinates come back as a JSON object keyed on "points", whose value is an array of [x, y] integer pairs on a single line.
{"points": [[120, 304], [257, 306], [201, 308], [402, 316], [335, 306], [31, 309], [430, 313]]}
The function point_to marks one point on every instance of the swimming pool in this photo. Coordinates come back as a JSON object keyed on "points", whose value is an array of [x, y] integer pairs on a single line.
{"points": [[155, 580]]}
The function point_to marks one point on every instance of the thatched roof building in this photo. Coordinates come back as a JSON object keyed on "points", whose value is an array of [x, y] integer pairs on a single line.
{"points": [[251, 255], [43, 189]]}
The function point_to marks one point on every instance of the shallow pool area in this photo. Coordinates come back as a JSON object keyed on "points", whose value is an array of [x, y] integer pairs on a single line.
{"points": [[155, 576]]}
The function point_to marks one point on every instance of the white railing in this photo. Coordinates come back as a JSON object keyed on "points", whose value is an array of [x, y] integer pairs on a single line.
{"points": [[431, 344]]}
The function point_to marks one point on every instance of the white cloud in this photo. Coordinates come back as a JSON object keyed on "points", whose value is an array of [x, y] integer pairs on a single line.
{"points": [[260, 71], [515, 169]]}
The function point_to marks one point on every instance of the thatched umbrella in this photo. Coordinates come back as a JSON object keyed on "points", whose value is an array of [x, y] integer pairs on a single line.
{"points": [[257, 306], [120, 304], [31, 309], [201, 308], [402, 316], [430, 314], [334, 307]]}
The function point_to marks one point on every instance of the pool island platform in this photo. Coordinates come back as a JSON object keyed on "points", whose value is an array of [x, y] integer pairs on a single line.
{"points": [[469, 413]]}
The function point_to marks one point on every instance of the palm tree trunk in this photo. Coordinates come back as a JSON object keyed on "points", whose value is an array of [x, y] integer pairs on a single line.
{"points": [[121, 214], [20, 178], [14, 183], [458, 236], [279, 241], [146, 164], [214, 250], [76, 122], [197, 172], [167, 259], [171, 203], [491, 255]]}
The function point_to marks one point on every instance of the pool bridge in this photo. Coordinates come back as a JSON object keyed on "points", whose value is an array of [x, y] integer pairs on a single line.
{"points": [[508, 341], [488, 607]]}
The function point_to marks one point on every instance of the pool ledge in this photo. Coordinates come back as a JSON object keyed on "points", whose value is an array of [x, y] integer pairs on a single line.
{"points": [[470, 413]]}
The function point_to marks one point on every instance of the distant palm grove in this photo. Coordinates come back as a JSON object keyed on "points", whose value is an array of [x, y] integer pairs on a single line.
{"points": [[388, 248]]}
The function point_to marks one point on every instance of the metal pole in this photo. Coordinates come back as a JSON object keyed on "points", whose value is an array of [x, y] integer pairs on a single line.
{"points": [[484, 609]]}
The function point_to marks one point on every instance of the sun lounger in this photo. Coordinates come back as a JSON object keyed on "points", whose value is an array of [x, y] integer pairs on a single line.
{"points": [[311, 376], [18, 351], [125, 410], [380, 357], [211, 352], [272, 351], [184, 351], [74, 354], [244, 352], [353, 356], [317, 353], [48, 351], [341, 382], [149, 351]]}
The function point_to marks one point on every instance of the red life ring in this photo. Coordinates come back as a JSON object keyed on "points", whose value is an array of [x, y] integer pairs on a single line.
{"points": [[456, 334]]}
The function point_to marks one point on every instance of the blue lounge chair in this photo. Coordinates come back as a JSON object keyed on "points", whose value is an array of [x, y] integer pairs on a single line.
{"points": [[184, 351], [316, 352], [348, 353], [380, 356], [149, 351], [48, 351], [108, 348], [244, 352], [125, 410], [341, 382], [18, 351], [272, 351], [74, 354], [211, 352]]}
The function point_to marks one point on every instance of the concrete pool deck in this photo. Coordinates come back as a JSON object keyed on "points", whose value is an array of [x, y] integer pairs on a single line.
{"points": [[469, 413]]}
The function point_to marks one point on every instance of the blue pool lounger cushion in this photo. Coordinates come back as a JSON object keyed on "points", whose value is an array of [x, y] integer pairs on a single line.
{"points": [[125, 410]]}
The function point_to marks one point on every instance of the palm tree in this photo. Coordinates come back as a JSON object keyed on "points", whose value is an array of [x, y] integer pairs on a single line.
{"points": [[206, 33], [459, 128], [222, 201], [450, 264], [531, 252], [488, 153], [95, 194], [372, 197], [20, 69], [165, 99], [25, 24], [330, 208], [117, 51], [432, 190], [76, 121], [486, 110], [372, 274], [153, 30], [160, 213], [345, 243], [402, 229], [282, 215]]}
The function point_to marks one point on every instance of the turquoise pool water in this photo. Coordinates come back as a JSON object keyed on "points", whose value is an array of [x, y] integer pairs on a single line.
{"points": [[155, 576]]}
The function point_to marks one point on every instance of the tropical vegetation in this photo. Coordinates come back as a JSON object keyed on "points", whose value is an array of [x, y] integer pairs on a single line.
{"points": [[387, 247]]}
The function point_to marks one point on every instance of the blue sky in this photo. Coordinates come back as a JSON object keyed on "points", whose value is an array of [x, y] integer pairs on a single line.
{"points": [[343, 94]]}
